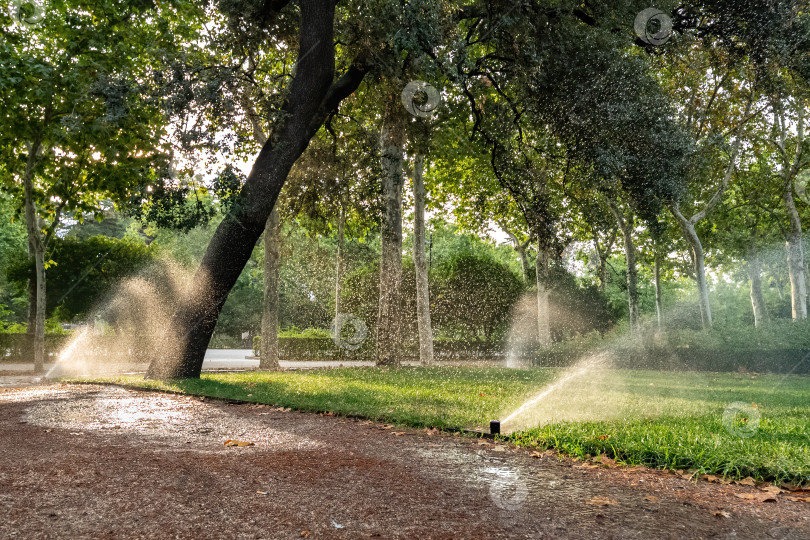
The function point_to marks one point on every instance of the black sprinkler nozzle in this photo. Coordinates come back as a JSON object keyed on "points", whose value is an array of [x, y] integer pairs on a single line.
{"points": [[495, 427]]}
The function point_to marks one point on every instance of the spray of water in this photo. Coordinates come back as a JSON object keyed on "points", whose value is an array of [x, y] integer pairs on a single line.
{"points": [[128, 325]]}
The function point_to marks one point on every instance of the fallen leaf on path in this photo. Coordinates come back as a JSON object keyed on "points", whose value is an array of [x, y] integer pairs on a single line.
{"points": [[772, 489], [499, 448], [586, 466], [388, 426], [652, 498], [483, 442], [799, 499], [328, 413], [604, 460], [722, 513], [305, 534], [231, 442], [758, 497], [602, 501], [748, 481], [398, 433], [536, 455], [431, 432], [709, 478], [261, 493]]}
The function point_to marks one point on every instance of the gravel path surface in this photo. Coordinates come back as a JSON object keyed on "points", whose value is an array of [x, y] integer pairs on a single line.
{"points": [[104, 462]]}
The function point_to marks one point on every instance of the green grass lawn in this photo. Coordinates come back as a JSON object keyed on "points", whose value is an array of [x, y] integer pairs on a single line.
{"points": [[659, 419]]}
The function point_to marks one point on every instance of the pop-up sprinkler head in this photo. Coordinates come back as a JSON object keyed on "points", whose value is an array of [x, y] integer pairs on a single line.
{"points": [[495, 427]]}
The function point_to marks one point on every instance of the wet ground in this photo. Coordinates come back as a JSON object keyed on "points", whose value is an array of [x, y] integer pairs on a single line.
{"points": [[104, 462]]}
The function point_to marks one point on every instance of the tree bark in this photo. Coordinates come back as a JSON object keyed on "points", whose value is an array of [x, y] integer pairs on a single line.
{"points": [[626, 227], [269, 344], [543, 303], [699, 263], [36, 247], [339, 262], [659, 304], [420, 262], [795, 258], [392, 140], [757, 299], [312, 95]]}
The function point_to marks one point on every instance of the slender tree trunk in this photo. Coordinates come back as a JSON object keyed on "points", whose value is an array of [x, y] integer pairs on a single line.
{"points": [[312, 95], [339, 262], [699, 262], [659, 304], [30, 332], [795, 257], [420, 262], [36, 246], [269, 345], [757, 299], [626, 227], [543, 302], [392, 138]]}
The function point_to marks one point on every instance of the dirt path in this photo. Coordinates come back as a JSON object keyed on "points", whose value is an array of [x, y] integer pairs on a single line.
{"points": [[103, 462]]}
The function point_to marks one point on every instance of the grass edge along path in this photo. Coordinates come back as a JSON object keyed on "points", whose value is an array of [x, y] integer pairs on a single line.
{"points": [[665, 420]]}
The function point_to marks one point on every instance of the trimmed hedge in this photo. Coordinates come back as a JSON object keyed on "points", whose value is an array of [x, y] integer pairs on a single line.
{"points": [[16, 347]]}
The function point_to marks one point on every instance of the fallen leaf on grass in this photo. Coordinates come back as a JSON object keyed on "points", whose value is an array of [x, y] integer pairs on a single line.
{"points": [[652, 498], [602, 501], [722, 513], [328, 413], [231, 442]]}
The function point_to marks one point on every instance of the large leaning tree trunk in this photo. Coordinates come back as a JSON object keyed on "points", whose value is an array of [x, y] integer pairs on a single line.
{"points": [[269, 344], [626, 227], [36, 247], [420, 263], [392, 141], [312, 95]]}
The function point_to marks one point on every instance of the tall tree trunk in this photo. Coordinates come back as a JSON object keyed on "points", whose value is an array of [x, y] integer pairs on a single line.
{"points": [[269, 346], [420, 262], [339, 262], [312, 95], [543, 301], [392, 140], [36, 246], [659, 304], [795, 257], [757, 299], [699, 262], [31, 329], [626, 226]]}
